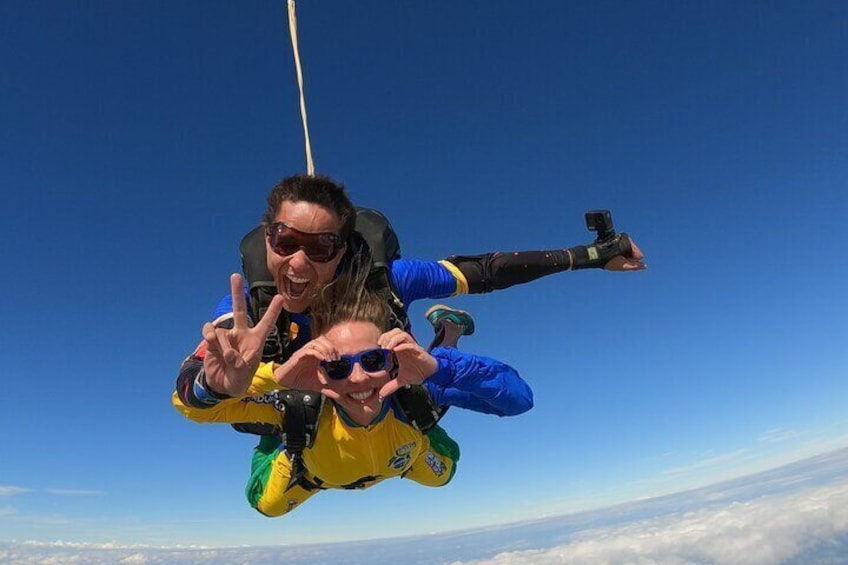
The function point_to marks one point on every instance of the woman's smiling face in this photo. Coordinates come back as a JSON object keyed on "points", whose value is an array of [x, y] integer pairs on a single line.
{"points": [[299, 278], [359, 392]]}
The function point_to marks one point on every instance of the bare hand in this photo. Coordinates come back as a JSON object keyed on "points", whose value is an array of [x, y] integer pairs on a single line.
{"points": [[302, 370], [415, 364], [621, 263], [233, 355]]}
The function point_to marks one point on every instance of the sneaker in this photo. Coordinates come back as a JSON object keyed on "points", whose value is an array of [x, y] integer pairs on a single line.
{"points": [[440, 313]]}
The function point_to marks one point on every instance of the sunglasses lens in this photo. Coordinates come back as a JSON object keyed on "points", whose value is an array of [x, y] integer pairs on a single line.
{"points": [[320, 253], [337, 370], [319, 247], [373, 361], [283, 245]]}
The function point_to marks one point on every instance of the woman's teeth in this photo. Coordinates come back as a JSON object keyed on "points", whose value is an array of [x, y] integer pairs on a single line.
{"points": [[296, 286], [364, 395]]}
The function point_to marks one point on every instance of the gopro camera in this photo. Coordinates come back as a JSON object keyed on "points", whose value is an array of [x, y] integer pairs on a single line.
{"points": [[600, 221]]}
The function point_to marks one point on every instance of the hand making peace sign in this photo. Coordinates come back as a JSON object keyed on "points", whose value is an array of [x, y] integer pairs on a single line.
{"points": [[233, 355]]}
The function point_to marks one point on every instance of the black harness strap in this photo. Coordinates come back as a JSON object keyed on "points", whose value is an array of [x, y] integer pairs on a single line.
{"points": [[301, 410], [362, 482], [418, 407]]}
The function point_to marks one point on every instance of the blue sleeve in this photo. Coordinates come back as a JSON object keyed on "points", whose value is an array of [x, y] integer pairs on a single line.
{"points": [[224, 310], [478, 383], [413, 280], [224, 307]]}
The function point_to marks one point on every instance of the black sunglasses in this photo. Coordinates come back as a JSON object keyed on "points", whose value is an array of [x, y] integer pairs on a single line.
{"points": [[319, 247], [371, 361]]}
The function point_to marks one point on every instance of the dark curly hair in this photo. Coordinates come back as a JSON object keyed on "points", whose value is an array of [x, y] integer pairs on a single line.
{"points": [[320, 190]]}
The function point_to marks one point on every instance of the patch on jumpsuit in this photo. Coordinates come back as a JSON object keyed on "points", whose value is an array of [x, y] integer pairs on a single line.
{"points": [[438, 467]]}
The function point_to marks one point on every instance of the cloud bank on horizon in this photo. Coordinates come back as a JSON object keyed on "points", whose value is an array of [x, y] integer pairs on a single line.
{"points": [[794, 514], [802, 527]]}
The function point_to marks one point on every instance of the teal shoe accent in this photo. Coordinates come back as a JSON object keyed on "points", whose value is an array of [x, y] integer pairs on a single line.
{"points": [[440, 313]]}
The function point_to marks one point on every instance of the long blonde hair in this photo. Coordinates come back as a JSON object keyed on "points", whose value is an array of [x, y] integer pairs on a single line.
{"points": [[348, 298]]}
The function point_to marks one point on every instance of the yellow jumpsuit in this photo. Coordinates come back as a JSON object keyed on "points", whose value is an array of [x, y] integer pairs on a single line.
{"points": [[344, 454]]}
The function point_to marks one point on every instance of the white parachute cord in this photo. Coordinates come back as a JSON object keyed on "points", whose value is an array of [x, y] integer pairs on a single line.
{"points": [[310, 166]]}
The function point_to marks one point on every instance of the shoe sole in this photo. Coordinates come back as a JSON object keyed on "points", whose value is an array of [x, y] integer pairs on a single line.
{"points": [[456, 316]]}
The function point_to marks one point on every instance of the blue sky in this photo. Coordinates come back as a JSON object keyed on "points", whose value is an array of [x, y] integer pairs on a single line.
{"points": [[139, 143]]}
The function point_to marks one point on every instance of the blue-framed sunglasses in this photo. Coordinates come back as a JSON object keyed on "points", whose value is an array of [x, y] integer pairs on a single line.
{"points": [[371, 361]]}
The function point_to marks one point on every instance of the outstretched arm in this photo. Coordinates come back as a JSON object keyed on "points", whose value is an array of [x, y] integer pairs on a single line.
{"points": [[499, 270], [475, 274], [478, 383]]}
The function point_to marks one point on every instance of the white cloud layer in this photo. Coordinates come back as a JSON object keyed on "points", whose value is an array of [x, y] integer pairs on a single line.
{"points": [[765, 531], [72, 492], [11, 490], [792, 515]]}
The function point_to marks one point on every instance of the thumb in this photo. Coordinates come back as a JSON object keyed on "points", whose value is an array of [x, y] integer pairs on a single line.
{"points": [[389, 389]]}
